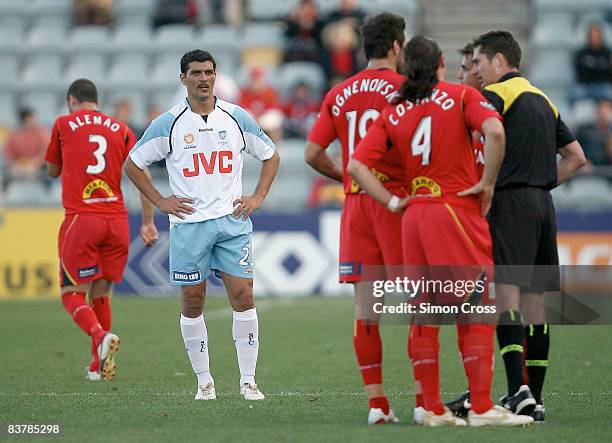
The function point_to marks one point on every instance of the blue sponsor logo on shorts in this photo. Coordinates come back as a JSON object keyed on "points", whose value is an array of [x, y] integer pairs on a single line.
{"points": [[186, 276], [88, 272], [350, 268]]}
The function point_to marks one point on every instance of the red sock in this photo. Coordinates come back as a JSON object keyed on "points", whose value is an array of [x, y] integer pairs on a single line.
{"points": [[462, 331], [102, 308], [83, 315], [418, 391], [380, 403], [478, 364], [368, 349], [424, 349]]}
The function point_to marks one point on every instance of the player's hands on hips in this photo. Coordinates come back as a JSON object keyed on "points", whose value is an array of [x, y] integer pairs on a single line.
{"points": [[175, 205], [486, 195], [245, 206], [148, 233]]}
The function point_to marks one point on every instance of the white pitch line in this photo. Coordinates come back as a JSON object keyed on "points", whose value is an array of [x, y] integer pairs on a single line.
{"points": [[276, 394]]}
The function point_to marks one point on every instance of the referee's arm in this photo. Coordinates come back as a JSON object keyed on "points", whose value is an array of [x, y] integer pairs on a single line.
{"points": [[572, 155], [572, 159]]}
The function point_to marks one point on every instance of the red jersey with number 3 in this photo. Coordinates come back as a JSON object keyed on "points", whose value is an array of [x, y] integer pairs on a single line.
{"points": [[347, 112], [434, 140], [91, 147]]}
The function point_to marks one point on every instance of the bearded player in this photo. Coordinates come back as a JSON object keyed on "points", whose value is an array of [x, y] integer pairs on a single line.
{"points": [[87, 149], [443, 224], [368, 231]]}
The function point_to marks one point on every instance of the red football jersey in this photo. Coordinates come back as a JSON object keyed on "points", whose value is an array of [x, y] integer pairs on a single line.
{"points": [[347, 112], [478, 145], [91, 147], [434, 140]]}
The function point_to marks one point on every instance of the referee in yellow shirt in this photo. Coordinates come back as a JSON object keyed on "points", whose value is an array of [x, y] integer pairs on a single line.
{"points": [[522, 216]]}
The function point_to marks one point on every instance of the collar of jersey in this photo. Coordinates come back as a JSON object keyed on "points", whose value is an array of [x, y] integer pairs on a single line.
{"points": [[186, 102]]}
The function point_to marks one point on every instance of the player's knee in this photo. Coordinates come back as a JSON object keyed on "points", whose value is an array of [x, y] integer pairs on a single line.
{"points": [[192, 300], [242, 297]]}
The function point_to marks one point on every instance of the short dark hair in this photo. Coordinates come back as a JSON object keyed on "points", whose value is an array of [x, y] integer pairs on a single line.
{"points": [[83, 90], [379, 32], [468, 49], [421, 70], [500, 41], [24, 113], [197, 55]]}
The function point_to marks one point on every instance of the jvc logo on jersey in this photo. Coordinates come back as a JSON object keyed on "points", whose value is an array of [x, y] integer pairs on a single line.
{"points": [[222, 159], [185, 276]]}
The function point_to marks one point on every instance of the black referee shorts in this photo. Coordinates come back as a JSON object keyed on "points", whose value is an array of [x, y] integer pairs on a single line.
{"points": [[524, 233]]}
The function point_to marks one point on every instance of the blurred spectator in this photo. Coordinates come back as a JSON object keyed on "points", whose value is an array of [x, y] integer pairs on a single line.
{"points": [[303, 35], [261, 100], [170, 12], [92, 12], [341, 38], [153, 111], [596, 137], [593, 64], [124, 112], [300, 111], [26, 146], [228, 12]]}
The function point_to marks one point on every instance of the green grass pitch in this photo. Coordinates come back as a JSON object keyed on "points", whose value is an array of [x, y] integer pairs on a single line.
{"points": [[306, 368]]}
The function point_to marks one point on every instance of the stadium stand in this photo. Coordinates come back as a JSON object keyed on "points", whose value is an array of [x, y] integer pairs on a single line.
{"points": [[41, 52]]}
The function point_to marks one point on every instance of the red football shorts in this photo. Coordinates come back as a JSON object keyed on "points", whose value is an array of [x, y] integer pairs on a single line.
{"points": [[447, 243], [370, 235], [92, 247]]}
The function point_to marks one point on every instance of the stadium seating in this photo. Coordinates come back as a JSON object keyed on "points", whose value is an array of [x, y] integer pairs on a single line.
{"points": [[591, 192], [25, 193], [41, 53], [131, 38], [89, 39], [8, 108], [9, 69], [292, 73], [48, 38]]}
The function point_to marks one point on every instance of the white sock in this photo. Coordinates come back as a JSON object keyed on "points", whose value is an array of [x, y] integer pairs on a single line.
{"points": [[195, 337], [245, 330]]}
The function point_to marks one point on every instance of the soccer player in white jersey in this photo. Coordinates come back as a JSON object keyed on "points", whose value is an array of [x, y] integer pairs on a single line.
{"points": [[203, 140]]}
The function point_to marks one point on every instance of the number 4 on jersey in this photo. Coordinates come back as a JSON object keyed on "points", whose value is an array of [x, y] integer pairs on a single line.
{"points": [[421, 140]]}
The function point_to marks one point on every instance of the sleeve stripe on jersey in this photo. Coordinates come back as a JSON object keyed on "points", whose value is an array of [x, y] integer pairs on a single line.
{"points": [[248, 124], [237, 124], [172, 127], [160, 127]]}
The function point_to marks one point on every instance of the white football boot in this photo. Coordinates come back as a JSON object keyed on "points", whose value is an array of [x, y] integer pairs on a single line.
{"points": [[376, 416], [432, 420], [106, 352], [418, 415], [498, 416], [206, 392], [92, 375], [250, 391]]}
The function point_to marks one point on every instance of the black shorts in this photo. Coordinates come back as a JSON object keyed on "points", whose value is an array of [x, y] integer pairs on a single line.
{"points": [[524, 233]]}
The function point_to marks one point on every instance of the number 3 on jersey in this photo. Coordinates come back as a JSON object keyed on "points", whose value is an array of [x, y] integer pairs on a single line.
{"points": [[98, 154], [362, 127], [421, 140]]}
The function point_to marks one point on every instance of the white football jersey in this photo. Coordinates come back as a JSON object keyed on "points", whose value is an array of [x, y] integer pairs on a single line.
{"points": [[203, 155]]}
